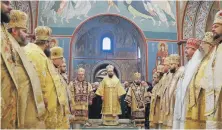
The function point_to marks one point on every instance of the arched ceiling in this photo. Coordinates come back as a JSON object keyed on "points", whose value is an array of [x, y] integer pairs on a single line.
{"points": [[196, 18], [106, 21]]}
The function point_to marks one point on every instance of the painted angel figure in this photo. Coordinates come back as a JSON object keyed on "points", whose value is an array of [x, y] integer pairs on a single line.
{"points": [[48, 12], [113, 3]]}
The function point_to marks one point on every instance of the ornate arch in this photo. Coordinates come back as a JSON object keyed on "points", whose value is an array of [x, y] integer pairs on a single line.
{"points": [[114, 19], [106, 62], [195, 19]]}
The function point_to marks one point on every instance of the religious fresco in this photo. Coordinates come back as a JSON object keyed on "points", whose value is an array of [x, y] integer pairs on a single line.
{"points": [[150, 16], [124, 43], [157, 51], [90, 65]]}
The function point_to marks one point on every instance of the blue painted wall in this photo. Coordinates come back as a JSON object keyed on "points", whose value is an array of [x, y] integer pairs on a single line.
{"points": [[155, 18], [152, 54]]}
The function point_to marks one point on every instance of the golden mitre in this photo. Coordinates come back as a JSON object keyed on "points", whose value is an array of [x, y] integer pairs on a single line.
{"points": [[218, 18], [209, 38], [81, 70], [167, 61], [160, 68], [174, 59], [56, 52], [137, 75], [18, 19], [54, 42], [109, 67], [156, 74], [43, 33]]}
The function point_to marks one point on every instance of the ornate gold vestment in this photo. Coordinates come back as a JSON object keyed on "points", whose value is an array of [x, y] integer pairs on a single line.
{"points": [[155, 106], [164, 80], [213, 84], [195, 118], [30, 98], [81, 96], [111, 90], [137, 96], [51, 87], [170, 102], [9, 86], [165, 99]]}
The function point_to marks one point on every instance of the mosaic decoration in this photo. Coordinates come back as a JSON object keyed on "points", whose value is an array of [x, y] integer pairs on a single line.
{"points": [[201, 19], [195, 19], [189, 18]]}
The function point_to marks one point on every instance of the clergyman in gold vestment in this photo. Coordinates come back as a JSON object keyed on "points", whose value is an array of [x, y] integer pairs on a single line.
{"points": [[164, 80], [9, 87], [212, 76], [53, 95], [110, 90], [31, 106], [137, 97], [81, 98], [56, 55], [195, 117], [191, 52], [155, 98], [177, 72]]}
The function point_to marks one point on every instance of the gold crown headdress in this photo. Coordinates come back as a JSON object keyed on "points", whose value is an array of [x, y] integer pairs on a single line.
{"points": [[43, 33], [174, 59], [56, 52], [18, 19], [109, 67], [218, 18], [137, 75], [156, 74], [209, 38], [81, 70]]}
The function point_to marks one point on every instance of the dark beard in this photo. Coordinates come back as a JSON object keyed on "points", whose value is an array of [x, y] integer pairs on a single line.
{"points": [[47, 52], [161, 75], [217, 37], [110, 76], [4, 18], [173, 70], [137, 83], [62, 71]]}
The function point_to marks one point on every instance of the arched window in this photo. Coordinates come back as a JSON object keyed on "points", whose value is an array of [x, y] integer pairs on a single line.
{"points": [[139, 54], [106, 44]]}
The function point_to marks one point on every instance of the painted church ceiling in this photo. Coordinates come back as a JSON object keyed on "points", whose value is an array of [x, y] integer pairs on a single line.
{"points": [[152, 16]]}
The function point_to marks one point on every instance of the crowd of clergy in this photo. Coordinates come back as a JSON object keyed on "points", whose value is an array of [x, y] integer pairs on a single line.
{"points": [[36, 92], [190, 96]]}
